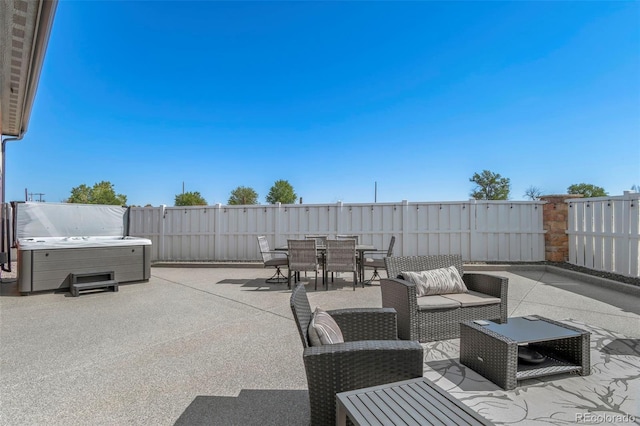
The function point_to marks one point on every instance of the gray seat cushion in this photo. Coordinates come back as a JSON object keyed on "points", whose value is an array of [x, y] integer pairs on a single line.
{"points": [[428, 303], [277, 262], [371, 262], [473, 298]]}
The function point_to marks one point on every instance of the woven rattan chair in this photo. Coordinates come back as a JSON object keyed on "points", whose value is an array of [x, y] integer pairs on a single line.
{"points": [[370, 356], [416, 323], [375, 260], [341, 257], [303, 256], [273, 259]]}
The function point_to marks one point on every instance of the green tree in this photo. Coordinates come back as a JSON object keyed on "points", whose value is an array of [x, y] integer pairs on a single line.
{"points": [[533, 193], [490, 186], [190, 199], [243, 195], [80, 195], [587, 190], [101, 193], [281, 192]]}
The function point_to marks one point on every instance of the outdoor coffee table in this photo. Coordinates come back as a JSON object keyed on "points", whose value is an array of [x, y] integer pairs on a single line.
{"points": [[492, 349], [409, 402]]}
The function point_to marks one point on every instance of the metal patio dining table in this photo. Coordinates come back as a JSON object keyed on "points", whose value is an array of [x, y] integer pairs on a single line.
{"points": [[360, 249]]}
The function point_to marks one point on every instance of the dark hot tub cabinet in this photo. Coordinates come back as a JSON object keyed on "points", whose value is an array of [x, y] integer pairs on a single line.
{"points": [[57, 241]]}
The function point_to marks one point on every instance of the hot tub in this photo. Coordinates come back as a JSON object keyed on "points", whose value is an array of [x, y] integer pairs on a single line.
{"points": [[47, 262]]}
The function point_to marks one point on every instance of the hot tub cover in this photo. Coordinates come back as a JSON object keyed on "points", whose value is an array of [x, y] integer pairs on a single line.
{"points": [[38, 220]]}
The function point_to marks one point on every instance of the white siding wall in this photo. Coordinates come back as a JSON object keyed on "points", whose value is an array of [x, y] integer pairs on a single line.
{"points": [[604, 233], [478, 230]]}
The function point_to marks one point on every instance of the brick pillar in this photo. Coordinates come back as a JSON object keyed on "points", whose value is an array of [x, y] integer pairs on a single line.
{"points": [[555, 216]]}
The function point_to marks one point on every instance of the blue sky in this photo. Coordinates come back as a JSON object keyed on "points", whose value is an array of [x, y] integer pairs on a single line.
{"points": [[333, 97]]}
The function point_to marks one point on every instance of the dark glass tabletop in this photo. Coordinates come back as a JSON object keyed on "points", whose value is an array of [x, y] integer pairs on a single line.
{"points": [[522, 330]]}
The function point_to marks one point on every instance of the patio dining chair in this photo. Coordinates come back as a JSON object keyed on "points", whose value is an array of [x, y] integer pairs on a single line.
{"points": [[275, 259], [321, 243], [303, 256], [376, 260], [371, 355], [341, 257], [357, 239]]}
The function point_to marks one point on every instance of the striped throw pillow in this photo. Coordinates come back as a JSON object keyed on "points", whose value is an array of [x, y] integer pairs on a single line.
{"points": [[436, 281], [324, 330]]}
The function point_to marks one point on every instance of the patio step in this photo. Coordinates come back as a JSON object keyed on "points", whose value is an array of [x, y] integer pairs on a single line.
{"points": [[92, 281]]}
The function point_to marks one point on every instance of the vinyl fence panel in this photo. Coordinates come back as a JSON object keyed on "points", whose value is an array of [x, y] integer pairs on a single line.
{"points": [[477, 230], [604, 233]]}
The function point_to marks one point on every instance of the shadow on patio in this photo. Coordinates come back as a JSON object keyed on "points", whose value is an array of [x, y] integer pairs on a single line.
{"points": [[250, 406]]}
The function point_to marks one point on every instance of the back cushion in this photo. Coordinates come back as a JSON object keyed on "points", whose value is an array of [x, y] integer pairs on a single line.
{"points": [[436, 281], [323, 329]]}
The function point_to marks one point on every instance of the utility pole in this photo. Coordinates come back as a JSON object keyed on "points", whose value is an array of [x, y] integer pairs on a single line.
{"points": [[375, 196], [28, 196]]}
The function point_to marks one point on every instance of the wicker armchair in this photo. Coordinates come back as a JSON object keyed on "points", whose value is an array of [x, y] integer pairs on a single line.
{"points": [[370, 356], [416, 323]]}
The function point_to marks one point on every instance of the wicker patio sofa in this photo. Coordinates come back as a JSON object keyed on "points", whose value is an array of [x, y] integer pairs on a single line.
{"points": [[371, 355], [420, 321]]}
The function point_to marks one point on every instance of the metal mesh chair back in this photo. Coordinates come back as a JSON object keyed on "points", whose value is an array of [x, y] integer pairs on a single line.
{"points": [[301, 312], [391, 244], [265, 251], [321, 240], [303, 255], [398, 264], [341, 256]]}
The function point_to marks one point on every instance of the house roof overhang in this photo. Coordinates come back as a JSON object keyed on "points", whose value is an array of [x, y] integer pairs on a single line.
{"points": [[25, 26]]}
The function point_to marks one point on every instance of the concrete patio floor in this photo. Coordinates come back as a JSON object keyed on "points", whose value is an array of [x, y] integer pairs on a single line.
{"points": [[208, 345]]}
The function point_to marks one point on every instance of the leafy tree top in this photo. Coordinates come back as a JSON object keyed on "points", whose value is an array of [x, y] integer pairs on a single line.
{"points": [[490, 186], [190, 199], [243, 195], [101, 193], [587, 190], [281, 192]]}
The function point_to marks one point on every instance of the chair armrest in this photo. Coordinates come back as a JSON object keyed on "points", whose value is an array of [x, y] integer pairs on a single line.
{"points": [[383, 252], [400, 295], [366, 323], [356, 365], [374, 350], [347, 366], [492, 285], [284, 253], [398, 285]]}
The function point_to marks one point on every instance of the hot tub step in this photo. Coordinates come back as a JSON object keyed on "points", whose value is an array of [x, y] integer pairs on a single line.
{"points": [[92, 281]]}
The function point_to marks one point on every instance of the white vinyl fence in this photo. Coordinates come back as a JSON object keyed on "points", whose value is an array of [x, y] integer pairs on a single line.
{"points": [[604, 233], [478, 230]]}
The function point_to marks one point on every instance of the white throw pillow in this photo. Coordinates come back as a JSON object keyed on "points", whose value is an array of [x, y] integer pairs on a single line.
{"points": [[323, 329], [436, 281]]}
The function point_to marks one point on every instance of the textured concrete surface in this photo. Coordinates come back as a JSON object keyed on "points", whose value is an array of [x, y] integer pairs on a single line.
{"points": [[206, 345]]}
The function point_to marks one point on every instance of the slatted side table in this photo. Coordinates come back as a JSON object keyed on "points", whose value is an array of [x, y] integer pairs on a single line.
{"points": [[410, 402]]}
